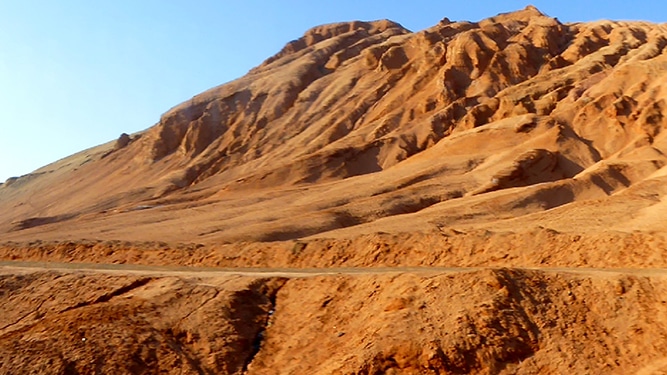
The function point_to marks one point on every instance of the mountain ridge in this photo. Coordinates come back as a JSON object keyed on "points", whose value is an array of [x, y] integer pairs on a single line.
{"points": [[355, 125]]}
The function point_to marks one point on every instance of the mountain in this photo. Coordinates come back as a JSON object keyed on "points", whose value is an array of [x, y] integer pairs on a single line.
{"points": [[517, 125], [477, 197]]}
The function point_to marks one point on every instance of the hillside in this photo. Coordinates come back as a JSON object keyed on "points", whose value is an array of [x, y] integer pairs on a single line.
{"points": [[477, 197], [516, 121]]}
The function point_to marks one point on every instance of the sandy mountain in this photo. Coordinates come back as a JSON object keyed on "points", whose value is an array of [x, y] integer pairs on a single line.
{"points": [[516, 121], [360, 127], [346, 181]]}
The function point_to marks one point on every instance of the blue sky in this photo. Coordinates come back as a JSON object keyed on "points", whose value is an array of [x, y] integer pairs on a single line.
{"points": [[78, 73]]}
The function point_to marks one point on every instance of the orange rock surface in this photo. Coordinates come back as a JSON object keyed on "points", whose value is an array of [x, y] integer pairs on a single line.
{"points": [[517, 141]]}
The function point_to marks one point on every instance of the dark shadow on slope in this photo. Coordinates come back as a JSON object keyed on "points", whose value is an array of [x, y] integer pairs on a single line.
{"points": [[32, 222]]}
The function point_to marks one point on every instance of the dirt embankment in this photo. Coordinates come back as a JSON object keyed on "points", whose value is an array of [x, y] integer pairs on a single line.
{"points": [[499, 321], [481, 248]]}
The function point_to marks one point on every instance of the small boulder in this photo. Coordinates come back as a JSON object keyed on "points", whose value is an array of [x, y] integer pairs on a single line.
{"points": [[122, 141]]}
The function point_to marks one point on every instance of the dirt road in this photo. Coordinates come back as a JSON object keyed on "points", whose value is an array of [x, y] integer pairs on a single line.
{"points": [[8, 267]]}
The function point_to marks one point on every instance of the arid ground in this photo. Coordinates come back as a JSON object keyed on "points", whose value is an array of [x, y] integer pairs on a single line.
{"points": [[477, 197]]}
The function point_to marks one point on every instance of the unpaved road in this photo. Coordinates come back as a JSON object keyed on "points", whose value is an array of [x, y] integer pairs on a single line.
{"points": [[135, 269]]}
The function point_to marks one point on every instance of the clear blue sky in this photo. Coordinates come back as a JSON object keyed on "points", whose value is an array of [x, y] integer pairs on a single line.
{"points": [[78, 73]]}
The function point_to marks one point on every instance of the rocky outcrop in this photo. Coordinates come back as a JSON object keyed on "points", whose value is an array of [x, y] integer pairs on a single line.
{"points": [[503, 321], [122, 141]]}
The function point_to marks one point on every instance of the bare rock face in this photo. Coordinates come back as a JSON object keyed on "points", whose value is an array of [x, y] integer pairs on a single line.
{"points": [[483, 322], [122, 141], [531, 167], [376, 121], [130, 325], [517, 142]]}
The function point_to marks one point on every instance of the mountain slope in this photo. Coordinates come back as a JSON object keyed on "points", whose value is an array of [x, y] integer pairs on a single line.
{"points": [[514, 122]]}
